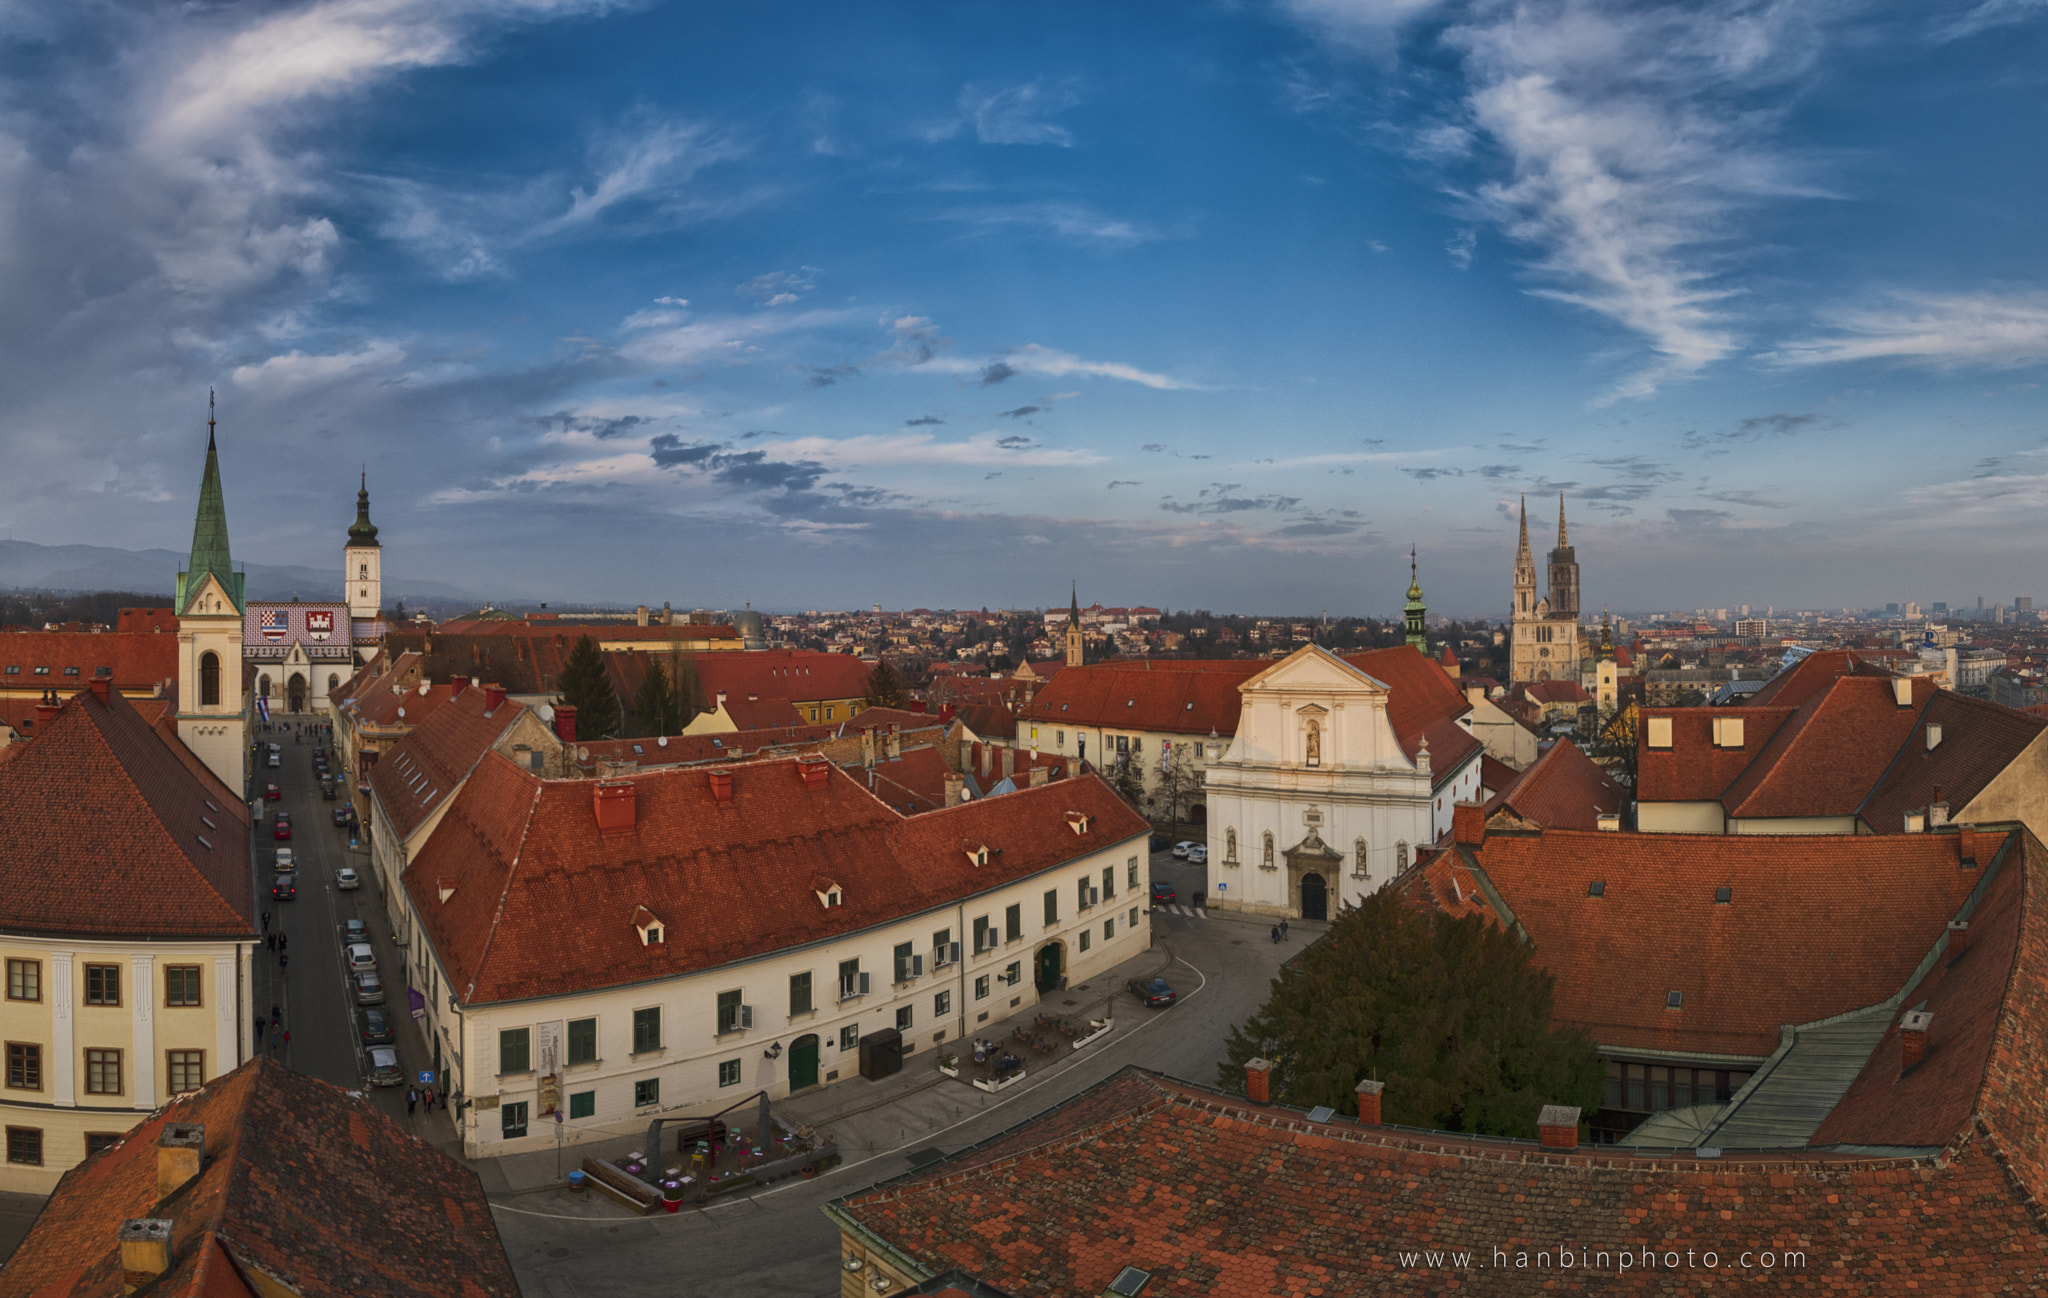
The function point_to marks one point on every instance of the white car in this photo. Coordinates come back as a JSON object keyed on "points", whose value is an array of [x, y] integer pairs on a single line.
{"points": [[347, 879], [285, 862], [361, 957], [1198, 855], [275, 760], [1181, 849]]}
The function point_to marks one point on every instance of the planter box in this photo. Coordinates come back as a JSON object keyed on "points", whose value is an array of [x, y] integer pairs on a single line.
{"points": [[1101, 1026], [1003, 1084], [950, 1072]]}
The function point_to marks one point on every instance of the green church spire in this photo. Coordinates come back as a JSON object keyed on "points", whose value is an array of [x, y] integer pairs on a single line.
{"points": [[363, 531], [1414, 614], [210, 534]]}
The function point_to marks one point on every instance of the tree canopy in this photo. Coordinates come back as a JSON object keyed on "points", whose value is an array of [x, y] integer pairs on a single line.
{"points": [[587, 687], [1450, 1013], [656, 709], [885, 687]]}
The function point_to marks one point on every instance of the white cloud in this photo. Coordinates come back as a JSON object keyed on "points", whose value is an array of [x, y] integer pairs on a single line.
{"points": [[924, 449], [649, 161], [1034, 359], [1011, 114], [1460, 247], [1992, 13], [1936, 329], [1073, 221], [671, 337], [295, 371]]}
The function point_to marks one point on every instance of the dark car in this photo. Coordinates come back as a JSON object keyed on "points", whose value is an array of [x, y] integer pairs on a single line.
{"points": [[1153, 992], [327, 792], [1161, 842], [377, 1028], [353, 931], [340, 816], [1163, 893], [286, 887]]}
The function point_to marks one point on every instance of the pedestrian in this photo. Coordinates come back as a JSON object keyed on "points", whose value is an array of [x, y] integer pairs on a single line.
{"points": [[266, 921], [430, 1099], [276, 1015], [287, 1038], [270, 940], [1276, 935], [259, 1029], [1283, 930], [412, 1100], [281, 940], [284, 962]]}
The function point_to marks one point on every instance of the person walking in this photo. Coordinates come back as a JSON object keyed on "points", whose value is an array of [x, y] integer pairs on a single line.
{"points": [[1276, 935], [429, 1097], [281, 940], [287, 1038], [266, 921], [412, 1100], [1283, 930], [259, 1031], [276, 1016], [270, 940], [284, 962]]}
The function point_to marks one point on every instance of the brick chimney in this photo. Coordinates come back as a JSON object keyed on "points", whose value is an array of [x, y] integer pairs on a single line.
{"points": [[1369, 1103], [47, 708], [1258, 1080], [1913, 1038], [614, 804], [459, 684], [815, 769], [867, 746], [721, 788], [145, 1251], [1958, 939], [1468, 824], [179, 1149], [1039, 775], [1558, 1126], [494, 697], [565, 722], [988, 760], [1009, 762], [102, 683], [955, 786]]}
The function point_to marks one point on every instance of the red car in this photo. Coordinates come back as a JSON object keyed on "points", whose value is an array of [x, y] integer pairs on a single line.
{"points": [[272, 792], [283, 832]]}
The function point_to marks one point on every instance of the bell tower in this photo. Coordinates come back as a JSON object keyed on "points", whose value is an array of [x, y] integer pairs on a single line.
{"points": [[1075, 657], [362, 574], [212, 712], [1564, 573], [1414, 615]]}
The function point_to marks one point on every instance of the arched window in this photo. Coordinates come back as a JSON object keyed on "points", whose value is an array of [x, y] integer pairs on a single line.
{"points": [[1401, 855], [362, 572], [1267, 859], [209, 679], [263, 686], [333, 682], [1230, 846], [1359, 858]]}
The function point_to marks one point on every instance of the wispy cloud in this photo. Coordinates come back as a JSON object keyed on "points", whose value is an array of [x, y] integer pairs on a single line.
{"points": [[646, 162], [1460, 247], [926, 449], [1224, 498], [1070, 221], [1934, 329], [1990, 14], [1015, 114]]}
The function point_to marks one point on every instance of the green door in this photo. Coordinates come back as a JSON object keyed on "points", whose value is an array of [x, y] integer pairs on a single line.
{"points": [[803, 1063], [1048, 967]]}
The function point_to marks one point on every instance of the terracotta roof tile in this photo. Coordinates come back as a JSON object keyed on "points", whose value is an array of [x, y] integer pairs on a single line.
{"points": [[1562, 789], [1693, 769], [1979, 740], [1828, 755], [423, 770], [140, 661], [1178, 696]]}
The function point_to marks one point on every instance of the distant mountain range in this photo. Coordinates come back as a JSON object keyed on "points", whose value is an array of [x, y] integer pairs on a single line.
{"points": [[24, 565]]}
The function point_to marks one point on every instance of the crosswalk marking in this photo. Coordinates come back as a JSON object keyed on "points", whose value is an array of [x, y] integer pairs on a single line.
{"points": [[1186, 912]]}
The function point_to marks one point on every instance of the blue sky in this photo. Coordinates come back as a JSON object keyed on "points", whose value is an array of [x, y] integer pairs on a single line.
{"points": [[1214, 305]]}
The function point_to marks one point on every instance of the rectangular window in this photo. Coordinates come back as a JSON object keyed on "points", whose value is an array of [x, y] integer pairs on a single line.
{"points": [[515, 1050], [1081, 893], [1015, 973], [187, 1069], [181, 985], [95, 1141], [512, 1120], [103, 984], [983, 938], [1132, 920], [647, 1025], [902, 958], [849, 1036], [981, 988], [25, 981], [1109, 881], [102, 1072], [942, 1004], [24, 1066], [1052, 907], [903, 1018], [25, 1145], [583, 1104], [729, 1072], [1059, 739], [800, 994], [732, 1016], [1109, 929], [849, 979], [1611, 1098], [1013, 922], [646, 1092], [582, 1042], [828, 714], [1085, 935]]}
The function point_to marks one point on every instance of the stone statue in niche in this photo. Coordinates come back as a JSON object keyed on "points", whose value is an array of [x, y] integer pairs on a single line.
{"points": [[1312, 743], [1267, 859], [1230, 846]]}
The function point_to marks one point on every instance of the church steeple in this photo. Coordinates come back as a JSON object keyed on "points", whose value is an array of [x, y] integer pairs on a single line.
{"points": [[210, 552], [1415, 613], [1563, 541], [1076, 655], [1525, 569], [363, 531]]}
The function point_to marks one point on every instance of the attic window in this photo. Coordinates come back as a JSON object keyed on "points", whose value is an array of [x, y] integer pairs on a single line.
{"points": [[42, 671], [1674, 1000], [203, 843], [1130, 703], [831, 897], [1597, 888], [13, 670], [209, 804], [71, 671], [1130, 1282], [648, 925], [1722, 896], [208, 823], [1658, 734], [638, 749], [1190, 707]]}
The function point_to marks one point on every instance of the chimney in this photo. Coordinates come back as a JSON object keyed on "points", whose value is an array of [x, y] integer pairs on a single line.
{"points": [[1369, 1103], [1958, 939], [1258, 1080], [46, 709], [721, 701], [867, 746], [459, 684], [1933, 735], [1468, 824], [145, 1252], [1039, 775], [895, 740], [1009, 762], [1913, 1039], [1902, 692], [955, 783], [1937, 814], [179, 1149], [494, 698], [102, 683], [815, 770], [615, 805], [640, 616], [721, 788], [1608, 821], [1916, 822], [1558, 1126], [988, 760], [565, 722]]}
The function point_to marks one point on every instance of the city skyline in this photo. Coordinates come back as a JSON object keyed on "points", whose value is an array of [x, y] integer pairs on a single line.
{"points": [[1204, 305]]}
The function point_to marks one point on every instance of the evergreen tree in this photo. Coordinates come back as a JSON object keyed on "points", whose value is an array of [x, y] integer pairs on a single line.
{"points": [[885, 687], [587, 687], [1449, 1013], [687, 693], [654, 703]]}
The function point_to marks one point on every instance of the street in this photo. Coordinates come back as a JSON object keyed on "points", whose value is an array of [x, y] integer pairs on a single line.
{"points": [[776, 1243]]}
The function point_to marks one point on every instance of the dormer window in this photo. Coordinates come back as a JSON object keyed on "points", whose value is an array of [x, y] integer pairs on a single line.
{"points": [[648, 926], [978, 856]]}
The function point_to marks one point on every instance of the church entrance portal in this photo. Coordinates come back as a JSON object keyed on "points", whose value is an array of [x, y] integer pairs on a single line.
{"points": [[295, 693], [1315, 897]]}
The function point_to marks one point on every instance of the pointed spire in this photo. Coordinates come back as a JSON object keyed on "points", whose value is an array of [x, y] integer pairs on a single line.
{"points": [[1074, 609], [210, 552], [363, 531], [1414, 616], [1522, 551], [1562, 541]]}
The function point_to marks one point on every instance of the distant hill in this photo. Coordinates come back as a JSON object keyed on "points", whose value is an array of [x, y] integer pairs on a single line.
{"points": [[24, 565]]}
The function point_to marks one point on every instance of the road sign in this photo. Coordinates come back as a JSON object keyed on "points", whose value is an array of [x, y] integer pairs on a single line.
{"points": [[558, 1117], [426, 1077]]}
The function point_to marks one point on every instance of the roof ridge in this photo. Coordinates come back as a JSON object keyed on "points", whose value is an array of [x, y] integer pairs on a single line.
{"points": [[483, 957]]}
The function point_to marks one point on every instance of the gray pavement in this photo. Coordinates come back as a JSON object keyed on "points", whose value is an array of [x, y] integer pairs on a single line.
{"points": [[775, 1243]]}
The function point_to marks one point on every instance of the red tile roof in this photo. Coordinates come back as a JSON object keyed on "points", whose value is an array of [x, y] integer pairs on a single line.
{"points": [[798, 675], [1553, 691], [302, 1181], [512, 843], [1979, 740], [1829, 754], [1174, 696], [140, 660], [1816, 924], [101, 823], [1813, 673], [421, 772], [163, 621], [523, 664], [384, 709], [1212, 1194], [1693, 769], [1562, 789]]}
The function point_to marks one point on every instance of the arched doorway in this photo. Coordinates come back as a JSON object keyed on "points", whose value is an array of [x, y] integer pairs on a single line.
{"points": [[295, 693], [1051, 959], [1315, 897], [803, 1062]]}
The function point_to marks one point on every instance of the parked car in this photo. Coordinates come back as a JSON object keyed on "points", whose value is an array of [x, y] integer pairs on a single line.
{"points": [[353, 931], [327, 792], [1198, 855], [377, 1029], [285, 862], [369, 987], [1153, 992], [384, 1069], [1180, 849], [272, 792], [282, 831], [275, 760], [347, 879], [1160, 842], [1163, 893], [286, 887], [341, 817], [360, 957]]}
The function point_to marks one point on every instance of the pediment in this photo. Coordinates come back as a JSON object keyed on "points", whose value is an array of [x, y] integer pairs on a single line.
{"points": [[1312, 670], [210, 599]]}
